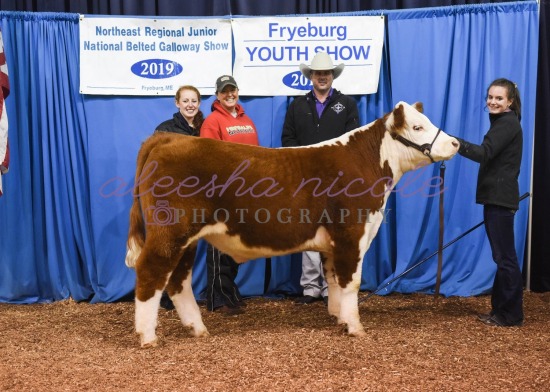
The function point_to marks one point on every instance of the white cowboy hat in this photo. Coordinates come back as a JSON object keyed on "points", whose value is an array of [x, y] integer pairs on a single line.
{"points": [[321, 62]]}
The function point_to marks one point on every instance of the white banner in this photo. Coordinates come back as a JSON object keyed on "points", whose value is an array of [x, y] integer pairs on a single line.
{"points": [[268, 52], [152, 56]]}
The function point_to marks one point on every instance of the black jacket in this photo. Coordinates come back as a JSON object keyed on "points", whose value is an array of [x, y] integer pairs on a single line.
{"points": [[303, 127], [500, 158], [177, 124]]}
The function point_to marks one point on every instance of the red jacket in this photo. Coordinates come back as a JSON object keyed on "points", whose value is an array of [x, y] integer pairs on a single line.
{"points": [[221, 125]]}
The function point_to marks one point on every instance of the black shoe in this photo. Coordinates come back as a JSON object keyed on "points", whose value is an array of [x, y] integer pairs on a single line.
{"points": [[483, 317], [306, 300], [166, 302], [325, 300], [229, 310], [497, 321]]}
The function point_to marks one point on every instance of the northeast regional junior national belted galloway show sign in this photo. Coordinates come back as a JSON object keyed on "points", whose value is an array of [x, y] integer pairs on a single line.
{"points": [[154, 56]]}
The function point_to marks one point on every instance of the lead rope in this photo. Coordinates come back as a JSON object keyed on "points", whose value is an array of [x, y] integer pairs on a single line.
{"points": [[441, 230]]}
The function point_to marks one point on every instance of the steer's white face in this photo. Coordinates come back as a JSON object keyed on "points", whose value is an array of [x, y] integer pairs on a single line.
{"points": [[418, 129]]}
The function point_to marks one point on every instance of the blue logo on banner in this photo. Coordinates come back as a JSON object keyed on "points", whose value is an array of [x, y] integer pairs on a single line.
{"points": [[297, 80], [156, 69]]}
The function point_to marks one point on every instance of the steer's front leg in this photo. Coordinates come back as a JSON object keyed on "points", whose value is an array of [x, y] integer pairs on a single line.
{"points": [[347, 268], [349, 310], [334, 291]]}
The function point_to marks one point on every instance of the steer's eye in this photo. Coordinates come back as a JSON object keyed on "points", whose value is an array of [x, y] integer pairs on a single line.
{"points": [[417, 127]]}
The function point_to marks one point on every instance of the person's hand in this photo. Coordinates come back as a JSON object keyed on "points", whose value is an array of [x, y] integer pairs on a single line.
{"points": [[464, 145]]}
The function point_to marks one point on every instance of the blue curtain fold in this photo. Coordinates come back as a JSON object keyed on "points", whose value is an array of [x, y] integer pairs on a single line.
{"points": [[64, 230], [46, 252]]}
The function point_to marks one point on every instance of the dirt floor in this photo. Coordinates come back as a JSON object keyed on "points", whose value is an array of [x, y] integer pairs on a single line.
{"points": [[413, 343]]}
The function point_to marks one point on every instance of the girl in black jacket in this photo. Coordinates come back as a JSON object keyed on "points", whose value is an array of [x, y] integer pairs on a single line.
{"points": [[499, 157]]}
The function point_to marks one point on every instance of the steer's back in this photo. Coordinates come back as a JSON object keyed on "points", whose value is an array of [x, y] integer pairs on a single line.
{"points": [[275, 200]]}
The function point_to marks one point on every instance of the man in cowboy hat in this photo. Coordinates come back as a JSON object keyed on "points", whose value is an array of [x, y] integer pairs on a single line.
{"points": [[322, 114]]}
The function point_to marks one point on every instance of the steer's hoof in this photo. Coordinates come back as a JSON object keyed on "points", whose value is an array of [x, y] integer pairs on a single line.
{"points": [[357, 332], [149, 344], [201, 333]]}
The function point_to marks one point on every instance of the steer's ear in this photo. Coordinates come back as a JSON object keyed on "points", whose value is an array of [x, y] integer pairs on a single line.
{"points": [[418, 106], [398, 117]]}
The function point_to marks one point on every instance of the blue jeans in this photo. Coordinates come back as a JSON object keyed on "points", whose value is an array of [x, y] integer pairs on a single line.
{"points": [[507, 293]]}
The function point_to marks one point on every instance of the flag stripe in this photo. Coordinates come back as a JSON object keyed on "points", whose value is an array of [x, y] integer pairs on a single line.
{"points": [[4, 91]]}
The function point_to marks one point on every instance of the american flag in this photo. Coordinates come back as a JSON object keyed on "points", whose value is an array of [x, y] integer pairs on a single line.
{"points": [[5, 90]]}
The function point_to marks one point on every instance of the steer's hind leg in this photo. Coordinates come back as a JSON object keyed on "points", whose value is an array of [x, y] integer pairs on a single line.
{"points": [[181, 292], [153, 268]]}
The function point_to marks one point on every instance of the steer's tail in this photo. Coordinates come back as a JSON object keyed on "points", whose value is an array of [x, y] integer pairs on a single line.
{"points": [[136, 232]]}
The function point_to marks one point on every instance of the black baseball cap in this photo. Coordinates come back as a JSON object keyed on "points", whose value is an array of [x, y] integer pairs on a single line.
{"points": [[225, 80]]}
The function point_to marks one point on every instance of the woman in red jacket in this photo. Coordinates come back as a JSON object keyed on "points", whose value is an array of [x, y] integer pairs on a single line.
{"points": [[227, 122]]}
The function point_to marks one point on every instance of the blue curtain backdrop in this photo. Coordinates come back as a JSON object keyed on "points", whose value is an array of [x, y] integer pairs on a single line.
{"points": [[473, 46], [47, 247], [64, 236]]}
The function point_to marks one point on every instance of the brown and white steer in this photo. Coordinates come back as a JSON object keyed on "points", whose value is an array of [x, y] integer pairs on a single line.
{"points": [[253, 202]]}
